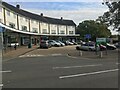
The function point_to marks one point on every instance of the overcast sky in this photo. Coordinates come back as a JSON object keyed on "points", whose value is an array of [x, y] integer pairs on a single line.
{"points": [[76, 10]]}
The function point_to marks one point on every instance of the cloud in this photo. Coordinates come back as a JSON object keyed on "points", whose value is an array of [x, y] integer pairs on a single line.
{"points": [[53, 0], [76, 15]]}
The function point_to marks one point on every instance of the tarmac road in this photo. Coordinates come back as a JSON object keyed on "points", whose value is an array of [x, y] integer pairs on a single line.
{"points": [[60, 72]]}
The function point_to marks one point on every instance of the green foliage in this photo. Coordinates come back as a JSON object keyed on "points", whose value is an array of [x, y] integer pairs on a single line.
{"points": [[94, 28], [111, 17]]}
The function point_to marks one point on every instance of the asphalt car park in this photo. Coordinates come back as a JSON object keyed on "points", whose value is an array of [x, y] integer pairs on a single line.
{"points": [[54, 68]]}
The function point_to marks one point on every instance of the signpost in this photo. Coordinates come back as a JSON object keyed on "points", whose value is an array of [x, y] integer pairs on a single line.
{"points": [[88, 36], [101, 41]]}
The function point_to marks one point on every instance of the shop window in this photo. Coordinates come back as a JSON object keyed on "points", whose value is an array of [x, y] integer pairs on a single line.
{"points": [[24, 28], [12, 25]]}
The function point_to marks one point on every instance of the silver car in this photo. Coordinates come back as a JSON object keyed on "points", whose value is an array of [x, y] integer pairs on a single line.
{"points": [[54, 43]]}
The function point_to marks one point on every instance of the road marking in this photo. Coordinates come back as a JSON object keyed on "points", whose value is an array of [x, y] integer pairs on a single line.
{"points": [[31, 55], [76, 66], [86, 74], [37, 55], [55, 54], [6, 71], [1, 85]]}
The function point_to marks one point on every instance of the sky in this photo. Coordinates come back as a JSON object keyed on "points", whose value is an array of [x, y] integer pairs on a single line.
{"points": [[76, 10]]}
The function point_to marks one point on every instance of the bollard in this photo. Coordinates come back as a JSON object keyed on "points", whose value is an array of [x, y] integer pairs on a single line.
{"points": [[80, 53], [101, 54]]}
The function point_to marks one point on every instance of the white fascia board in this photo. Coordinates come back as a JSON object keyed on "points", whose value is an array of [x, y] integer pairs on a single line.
{"points": [[12, 29]]}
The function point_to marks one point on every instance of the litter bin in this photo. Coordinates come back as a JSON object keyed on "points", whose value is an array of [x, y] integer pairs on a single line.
{"points": [[29, 45]]}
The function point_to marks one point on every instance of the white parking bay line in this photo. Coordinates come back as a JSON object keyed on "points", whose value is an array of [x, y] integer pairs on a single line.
{"points": [[86, 74], [77, 66], [56, 54], [6, 71]]}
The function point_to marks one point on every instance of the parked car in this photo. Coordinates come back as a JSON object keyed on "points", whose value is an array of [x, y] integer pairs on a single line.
{"points": [[87, 47], [13, 44], [74, 42], [102, 47], [117, 44], [111, 46], [62, 44], [69, 43], [45, 44], [54, 43]]}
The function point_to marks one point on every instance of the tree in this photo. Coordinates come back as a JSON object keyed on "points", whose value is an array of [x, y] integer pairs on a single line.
{"points": [[93, 28], [111, 17]]}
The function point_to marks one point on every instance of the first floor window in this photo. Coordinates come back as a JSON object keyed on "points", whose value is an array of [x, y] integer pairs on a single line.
{"points": [[34, 30], [44, 31], [24, 28], [53, 31], [14, 15], [62, 32], [8, 12], [71, 32], [12, 25]]}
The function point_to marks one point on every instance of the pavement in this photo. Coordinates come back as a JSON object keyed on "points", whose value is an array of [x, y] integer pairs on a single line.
{"points": [[15, 53], [107, 55]]}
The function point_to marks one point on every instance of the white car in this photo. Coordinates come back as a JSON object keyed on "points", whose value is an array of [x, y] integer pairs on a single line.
{"points": [[54, 43], [62, 44], [87, 47], [13, 44]]}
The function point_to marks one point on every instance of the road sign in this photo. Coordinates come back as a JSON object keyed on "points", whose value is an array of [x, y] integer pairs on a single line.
{"points": [[2, 29], [88, 36], [100, 39]]}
